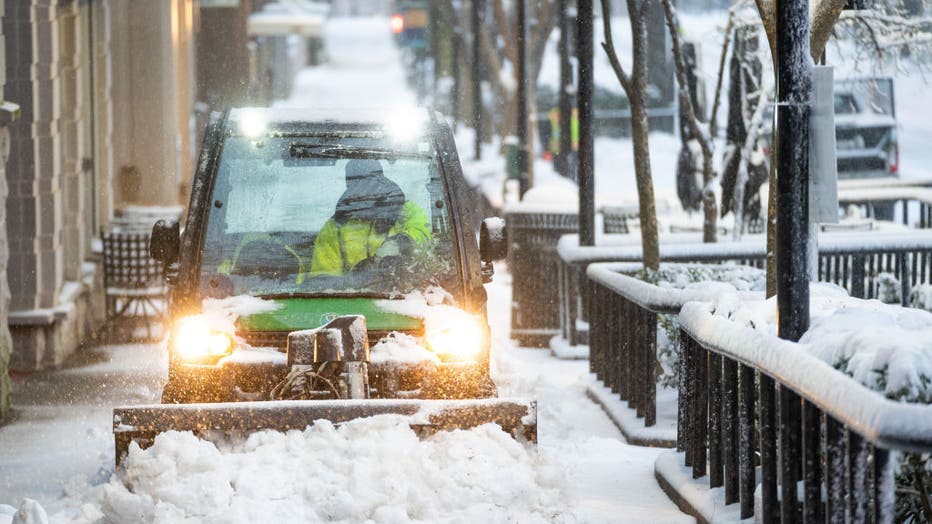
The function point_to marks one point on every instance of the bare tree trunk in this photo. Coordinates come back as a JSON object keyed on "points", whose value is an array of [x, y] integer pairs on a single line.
{"points": [[635, 87], [772, 218], [637, 97]]}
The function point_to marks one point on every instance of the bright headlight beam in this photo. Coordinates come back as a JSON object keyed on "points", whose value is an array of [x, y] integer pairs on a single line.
{"points": [[194, 340], [460, 340]]}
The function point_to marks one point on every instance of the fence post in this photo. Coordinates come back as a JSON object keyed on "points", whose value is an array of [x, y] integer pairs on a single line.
{"points": [[902, 260], [857, 276], [650, 376], [746, 433], [812, 467], [715, 422], [834, 470], [768, 449]]}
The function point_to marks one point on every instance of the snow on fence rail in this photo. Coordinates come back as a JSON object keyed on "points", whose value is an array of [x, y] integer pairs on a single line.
{"points": [[851, 260], [871, 197], [731, 377]]}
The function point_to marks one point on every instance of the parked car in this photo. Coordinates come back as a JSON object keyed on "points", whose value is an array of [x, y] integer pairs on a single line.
{"points": [[865, 129]]}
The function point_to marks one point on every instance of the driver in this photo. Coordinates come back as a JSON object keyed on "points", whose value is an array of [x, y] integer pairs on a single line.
{"points": [[372, 220]]}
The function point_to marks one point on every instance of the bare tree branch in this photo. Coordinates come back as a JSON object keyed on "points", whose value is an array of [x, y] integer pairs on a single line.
{"points": [[822, 17], [713, 118], [709, 208], [609, 46], [683, 83], [768, 15]]}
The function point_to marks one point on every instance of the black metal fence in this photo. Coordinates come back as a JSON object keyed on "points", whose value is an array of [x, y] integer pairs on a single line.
{"points": [[533, 262], [623, 331], [623, 350], [744, 415]]}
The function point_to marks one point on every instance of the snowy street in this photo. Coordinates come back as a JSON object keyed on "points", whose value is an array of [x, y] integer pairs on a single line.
{"points": [[349, 221], [58, 448]]}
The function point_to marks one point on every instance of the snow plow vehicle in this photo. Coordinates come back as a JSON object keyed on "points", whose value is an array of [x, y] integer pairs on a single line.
{"points": [[328, 269]]}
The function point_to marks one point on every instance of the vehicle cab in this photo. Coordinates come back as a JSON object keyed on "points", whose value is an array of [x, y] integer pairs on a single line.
{"points": [[324, 214]]}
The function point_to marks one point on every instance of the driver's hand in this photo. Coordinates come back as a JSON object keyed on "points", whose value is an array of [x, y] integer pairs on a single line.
{"points": [[395, 246]]}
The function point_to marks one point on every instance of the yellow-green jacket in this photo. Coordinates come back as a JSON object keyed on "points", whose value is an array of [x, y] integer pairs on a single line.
{"points": [[338, 249]]}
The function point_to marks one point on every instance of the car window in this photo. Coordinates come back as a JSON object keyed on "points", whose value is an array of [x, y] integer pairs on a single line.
{"points": [[846, 104], [290, 215]]}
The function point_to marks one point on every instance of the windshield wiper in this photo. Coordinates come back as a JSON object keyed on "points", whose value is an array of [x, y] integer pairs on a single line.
{"points": [[337, 151], [325, 294]]}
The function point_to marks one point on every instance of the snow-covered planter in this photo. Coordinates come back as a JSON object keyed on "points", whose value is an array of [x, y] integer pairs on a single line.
{"points": [[633, 340], [866, 366]]}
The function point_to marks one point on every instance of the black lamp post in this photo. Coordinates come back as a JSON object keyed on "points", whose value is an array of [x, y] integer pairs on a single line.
{"points": [[584, 55]]}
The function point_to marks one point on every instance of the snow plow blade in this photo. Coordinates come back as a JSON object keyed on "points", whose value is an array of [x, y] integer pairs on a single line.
{"points": [[142, 423]]}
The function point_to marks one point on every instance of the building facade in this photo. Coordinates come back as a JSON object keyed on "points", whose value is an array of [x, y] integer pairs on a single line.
{"points": [[112, 96]]}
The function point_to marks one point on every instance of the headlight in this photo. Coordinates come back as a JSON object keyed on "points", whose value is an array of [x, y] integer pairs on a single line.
{"points": [[195, 341], [459, 340]]}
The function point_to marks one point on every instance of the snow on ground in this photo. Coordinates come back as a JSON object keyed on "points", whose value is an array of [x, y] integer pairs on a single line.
{"points": [[61, 423], [364, 69]]}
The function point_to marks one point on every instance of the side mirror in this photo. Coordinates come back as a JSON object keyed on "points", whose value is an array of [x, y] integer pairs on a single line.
{"points": [[493, 245], [165, 243], [493, 240]]}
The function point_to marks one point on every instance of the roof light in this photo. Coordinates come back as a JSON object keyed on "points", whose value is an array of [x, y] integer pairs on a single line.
{"points": [[405, 125], [252, 124]]}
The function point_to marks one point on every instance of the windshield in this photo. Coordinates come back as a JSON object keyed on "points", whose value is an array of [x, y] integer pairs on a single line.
{"points": [[295, 216]]}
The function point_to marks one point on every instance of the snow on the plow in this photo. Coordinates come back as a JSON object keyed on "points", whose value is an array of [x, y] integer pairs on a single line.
{"points": [[374, 470]]}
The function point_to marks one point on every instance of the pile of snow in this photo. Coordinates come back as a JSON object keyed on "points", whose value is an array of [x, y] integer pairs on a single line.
{"points": [[373, 470], [401, 349]]}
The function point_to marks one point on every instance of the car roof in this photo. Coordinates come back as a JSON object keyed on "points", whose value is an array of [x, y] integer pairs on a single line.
{"points": [[325, 119]]}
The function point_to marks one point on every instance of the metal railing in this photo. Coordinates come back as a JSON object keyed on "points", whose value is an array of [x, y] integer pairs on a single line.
{"points": [[751, 403], [879, 202], [850, 260], [623, 331]]}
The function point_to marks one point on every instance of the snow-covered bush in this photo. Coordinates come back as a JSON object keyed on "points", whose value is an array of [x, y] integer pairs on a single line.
{"points": [[727, 279], [886, 348], [920, 297], [889, 290]]}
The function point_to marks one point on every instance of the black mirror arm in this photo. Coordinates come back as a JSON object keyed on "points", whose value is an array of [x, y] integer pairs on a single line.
{"points": [[170, 273], [487, 270]]}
